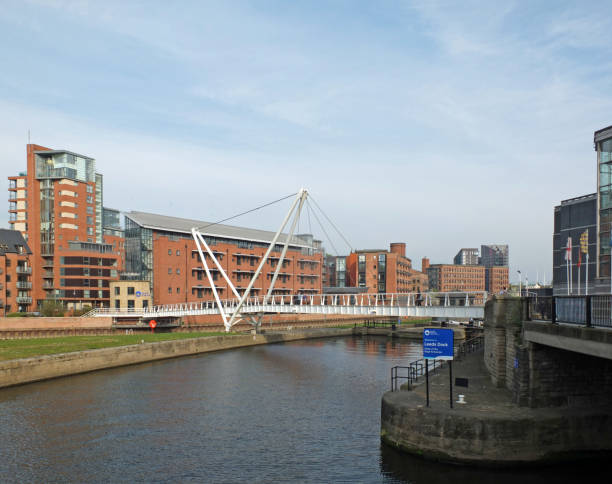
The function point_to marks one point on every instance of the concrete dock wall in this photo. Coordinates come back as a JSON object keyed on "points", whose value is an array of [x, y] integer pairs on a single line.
{"points": [[15, 372]]}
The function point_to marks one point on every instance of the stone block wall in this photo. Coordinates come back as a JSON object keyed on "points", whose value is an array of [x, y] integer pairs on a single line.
{"points": [[502, 334], [566, 378]]}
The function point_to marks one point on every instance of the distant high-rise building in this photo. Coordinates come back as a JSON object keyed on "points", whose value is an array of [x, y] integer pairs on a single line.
{"points": [[494, 255], [466, 257]]}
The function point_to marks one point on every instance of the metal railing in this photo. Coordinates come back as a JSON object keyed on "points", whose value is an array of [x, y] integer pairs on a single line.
{"points": [[372, 301], [590, 311], [23, 270], [416, 369]]}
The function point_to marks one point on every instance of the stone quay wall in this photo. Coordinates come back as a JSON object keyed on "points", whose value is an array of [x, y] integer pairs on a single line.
{"points": [[27, 370], [490, 440]]}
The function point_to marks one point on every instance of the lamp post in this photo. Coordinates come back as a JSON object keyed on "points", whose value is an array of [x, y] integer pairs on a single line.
{"points": [[520, 283]]}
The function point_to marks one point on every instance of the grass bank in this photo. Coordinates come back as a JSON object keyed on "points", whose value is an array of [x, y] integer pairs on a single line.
{"points": [[12, 349]]}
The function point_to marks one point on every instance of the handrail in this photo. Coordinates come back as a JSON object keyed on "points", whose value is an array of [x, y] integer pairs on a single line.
{"points": [[378, 300], [417, 367]]}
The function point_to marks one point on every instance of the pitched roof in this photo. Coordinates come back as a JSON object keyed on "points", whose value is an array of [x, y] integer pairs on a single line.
{"points": [[10, 240], [184, 225]]}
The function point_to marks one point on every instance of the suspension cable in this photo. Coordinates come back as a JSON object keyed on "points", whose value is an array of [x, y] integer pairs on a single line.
{"points": [[323, 229], [332, 224], [244, 213]]}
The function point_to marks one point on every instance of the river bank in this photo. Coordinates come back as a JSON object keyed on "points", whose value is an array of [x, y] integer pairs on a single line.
{"points": [[27, 370]]}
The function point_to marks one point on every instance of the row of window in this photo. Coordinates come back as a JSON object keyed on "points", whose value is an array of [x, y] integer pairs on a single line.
{"points": [[131, 304], [131, 290]]}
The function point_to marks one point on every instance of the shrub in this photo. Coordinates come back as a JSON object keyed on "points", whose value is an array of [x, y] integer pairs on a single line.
{"points": [[52, 308]]}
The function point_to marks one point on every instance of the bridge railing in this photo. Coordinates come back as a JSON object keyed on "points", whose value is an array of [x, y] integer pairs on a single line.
{"points": [[429, 299], [590, 311]]}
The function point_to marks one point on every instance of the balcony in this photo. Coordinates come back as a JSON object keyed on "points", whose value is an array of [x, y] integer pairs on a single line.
{"points": [[24, 270], [48, 285], [48, 275], [48, 263], [24, 300], [1, 304], [24, 285]]}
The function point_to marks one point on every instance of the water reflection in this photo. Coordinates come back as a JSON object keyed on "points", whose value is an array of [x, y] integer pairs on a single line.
{"points": [[305, 411]]}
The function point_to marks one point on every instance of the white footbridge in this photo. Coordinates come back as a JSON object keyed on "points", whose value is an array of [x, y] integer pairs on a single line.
{"points": [[447, 305], [243, 306]]}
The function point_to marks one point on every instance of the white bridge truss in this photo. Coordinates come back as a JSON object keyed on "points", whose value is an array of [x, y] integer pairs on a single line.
{"points": [[445, 305], [434, 304]]}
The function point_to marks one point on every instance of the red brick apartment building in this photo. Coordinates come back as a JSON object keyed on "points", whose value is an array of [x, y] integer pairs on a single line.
{"points": [[57, 206], [15, 270], [451, 277], [161, 250], [382, 271]]}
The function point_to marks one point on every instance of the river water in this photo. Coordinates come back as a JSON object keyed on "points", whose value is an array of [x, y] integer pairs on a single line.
{"points": [[304, 411]]}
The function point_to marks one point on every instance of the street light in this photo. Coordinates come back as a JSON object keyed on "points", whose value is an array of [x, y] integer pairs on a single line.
{"points": [[520, 283]]}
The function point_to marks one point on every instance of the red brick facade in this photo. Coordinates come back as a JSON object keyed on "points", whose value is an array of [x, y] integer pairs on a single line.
{"points": [[67, 265], [179, 277], [382, 271]]}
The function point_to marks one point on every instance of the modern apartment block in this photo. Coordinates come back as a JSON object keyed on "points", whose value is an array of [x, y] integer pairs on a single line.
{"points": [[161, 250], [381, 271], [466, 257], [57, 204], [451, 277], [494, 255], [15, 273]]}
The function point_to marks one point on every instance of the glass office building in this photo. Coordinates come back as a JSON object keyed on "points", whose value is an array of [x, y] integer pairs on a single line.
{"points": [[603, 146]]}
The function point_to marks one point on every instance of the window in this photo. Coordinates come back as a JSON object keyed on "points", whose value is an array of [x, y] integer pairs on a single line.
{"points": [[178, 271], [145, 303], [89, 210], [117, 290], [89, 189], [178, 290], [130, 290], [169, 251], [169, 270], [89, 199], [130, 304], [117, 303], [178, 252], [169, 290]]}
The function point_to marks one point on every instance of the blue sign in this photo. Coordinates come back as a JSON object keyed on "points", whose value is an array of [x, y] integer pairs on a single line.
{"points": [[138, 293], [438, 344]]}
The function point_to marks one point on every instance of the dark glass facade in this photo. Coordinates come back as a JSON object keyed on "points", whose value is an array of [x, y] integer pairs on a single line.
{"points": [[572, 218]]}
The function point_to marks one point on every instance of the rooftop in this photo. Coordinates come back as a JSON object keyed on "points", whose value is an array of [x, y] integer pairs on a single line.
{"points": [[11, 240], [184, 225]]}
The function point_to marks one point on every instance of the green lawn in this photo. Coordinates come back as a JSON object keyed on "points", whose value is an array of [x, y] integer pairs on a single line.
{"points": [[11, 349]]}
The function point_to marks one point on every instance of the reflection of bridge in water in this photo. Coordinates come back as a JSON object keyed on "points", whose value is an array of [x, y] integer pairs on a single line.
{"points": [[448, 305]]}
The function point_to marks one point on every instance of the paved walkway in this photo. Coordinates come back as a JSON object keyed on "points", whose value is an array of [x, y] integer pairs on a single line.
{"points": [[482, 397]]}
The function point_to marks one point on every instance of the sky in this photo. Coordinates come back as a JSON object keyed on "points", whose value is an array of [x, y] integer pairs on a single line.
{"points": [[440, 124]]}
